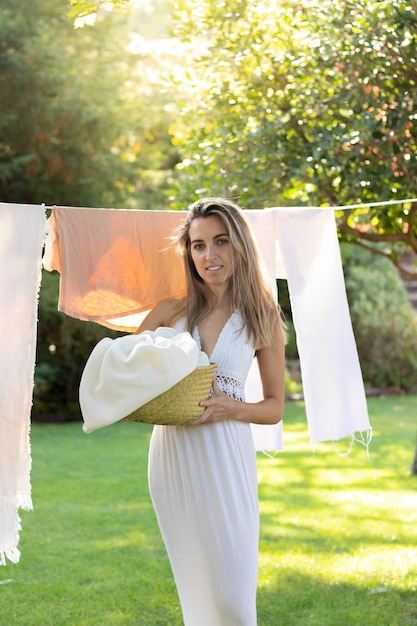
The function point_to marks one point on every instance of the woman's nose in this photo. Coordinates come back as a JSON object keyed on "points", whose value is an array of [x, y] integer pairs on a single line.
{"points": [[210, 253]]}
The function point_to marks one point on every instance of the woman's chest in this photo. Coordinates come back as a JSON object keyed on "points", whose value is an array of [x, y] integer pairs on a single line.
{"points": [[211, 329]]}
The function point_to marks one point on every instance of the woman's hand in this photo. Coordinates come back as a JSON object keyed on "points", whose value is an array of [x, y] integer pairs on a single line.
{"points": [[219, 407]]}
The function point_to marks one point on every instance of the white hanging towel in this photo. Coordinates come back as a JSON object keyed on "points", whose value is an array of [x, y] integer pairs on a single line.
{"points": [[332, 380], [22, 235]]}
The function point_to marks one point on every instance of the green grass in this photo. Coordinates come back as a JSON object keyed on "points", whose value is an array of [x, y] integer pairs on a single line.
{"points": [[338, 535]]}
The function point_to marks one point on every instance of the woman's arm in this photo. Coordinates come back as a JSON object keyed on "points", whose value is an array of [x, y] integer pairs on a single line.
{"points": [[270, 410]]}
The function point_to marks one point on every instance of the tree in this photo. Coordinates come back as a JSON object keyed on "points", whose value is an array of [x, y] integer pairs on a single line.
{"points": [[85, 8], [77, 114], [383, 320], [81, 123], [305, 103]]}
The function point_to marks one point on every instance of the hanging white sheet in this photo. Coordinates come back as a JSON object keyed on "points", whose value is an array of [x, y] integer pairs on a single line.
{"points": [[22, 235], [332, 380]]}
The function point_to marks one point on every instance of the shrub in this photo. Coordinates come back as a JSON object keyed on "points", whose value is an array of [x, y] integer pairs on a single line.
{"points": [[63, 347], [291, 350], [383, 320]]}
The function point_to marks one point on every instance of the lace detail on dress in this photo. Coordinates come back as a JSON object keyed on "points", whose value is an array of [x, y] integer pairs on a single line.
{"points": [[231, 386]]}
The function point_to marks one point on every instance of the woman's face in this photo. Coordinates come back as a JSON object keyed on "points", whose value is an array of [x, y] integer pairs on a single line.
{"points": [[211, 250]]}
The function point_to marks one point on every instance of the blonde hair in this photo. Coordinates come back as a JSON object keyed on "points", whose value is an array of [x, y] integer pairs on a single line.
{"points": [[250, 292]]}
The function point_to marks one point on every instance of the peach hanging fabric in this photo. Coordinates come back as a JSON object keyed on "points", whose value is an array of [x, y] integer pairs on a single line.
{"points": [[22, 235], [114, 264]]}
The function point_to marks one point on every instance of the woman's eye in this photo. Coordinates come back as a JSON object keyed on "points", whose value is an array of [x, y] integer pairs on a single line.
{"points": [[198, 246], [222, 241]]}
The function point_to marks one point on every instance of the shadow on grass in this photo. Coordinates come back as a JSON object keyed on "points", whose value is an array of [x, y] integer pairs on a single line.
{"points": [[294, 599]]}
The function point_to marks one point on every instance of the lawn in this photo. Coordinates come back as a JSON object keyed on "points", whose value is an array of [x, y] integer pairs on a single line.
{"points": [[338, 540]]}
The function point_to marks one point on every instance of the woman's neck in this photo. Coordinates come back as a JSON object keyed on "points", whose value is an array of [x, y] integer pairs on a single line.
{"points": [[220, 299]]}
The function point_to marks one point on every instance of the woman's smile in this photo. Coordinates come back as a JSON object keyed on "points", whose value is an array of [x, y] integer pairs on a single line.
{"points": [[214, 268]]}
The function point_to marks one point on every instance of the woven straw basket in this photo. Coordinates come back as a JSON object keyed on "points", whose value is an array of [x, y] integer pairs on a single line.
{"points": [[179, 404]]}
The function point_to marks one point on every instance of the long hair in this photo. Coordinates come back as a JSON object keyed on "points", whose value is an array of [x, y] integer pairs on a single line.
{"points": [[249, 288]]}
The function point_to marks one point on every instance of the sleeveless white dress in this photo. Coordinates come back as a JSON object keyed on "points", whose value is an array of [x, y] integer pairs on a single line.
{"points": [[203, 484]]}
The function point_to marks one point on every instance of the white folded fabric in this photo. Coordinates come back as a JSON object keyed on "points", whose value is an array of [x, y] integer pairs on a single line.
{"points": [[123, 374]]}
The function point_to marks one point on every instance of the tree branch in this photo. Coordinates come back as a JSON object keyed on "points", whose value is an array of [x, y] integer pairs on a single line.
{"points": [[412, 227], [374, 237]]}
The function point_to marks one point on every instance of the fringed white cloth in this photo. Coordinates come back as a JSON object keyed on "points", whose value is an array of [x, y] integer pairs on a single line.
{"points": [[22, 235], [332, 380]]}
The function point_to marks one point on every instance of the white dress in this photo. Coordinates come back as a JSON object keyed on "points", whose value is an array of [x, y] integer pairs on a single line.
{"points": [[203, 484]]}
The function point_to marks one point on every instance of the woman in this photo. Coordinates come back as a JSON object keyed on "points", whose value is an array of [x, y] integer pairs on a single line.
{"points": [[203, 476]]}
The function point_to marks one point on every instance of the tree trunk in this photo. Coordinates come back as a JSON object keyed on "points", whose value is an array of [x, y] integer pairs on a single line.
{"points": [[414, 465]]}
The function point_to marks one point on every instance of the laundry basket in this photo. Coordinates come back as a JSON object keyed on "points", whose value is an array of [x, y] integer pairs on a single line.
{"points": [[180, 404]]}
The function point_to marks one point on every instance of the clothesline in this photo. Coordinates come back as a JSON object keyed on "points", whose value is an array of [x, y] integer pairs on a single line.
{"points": [[128, 268], [371, 204], [346, 207]]}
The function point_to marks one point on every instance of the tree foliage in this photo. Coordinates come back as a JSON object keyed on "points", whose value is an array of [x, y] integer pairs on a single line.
{"points": [[280, 102], [79, 120], [305, 103], [84, 8], [383, 320]]}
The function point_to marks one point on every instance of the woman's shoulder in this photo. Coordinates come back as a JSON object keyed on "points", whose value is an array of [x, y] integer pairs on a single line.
{"points": [[165, 313], [172, 309]]}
